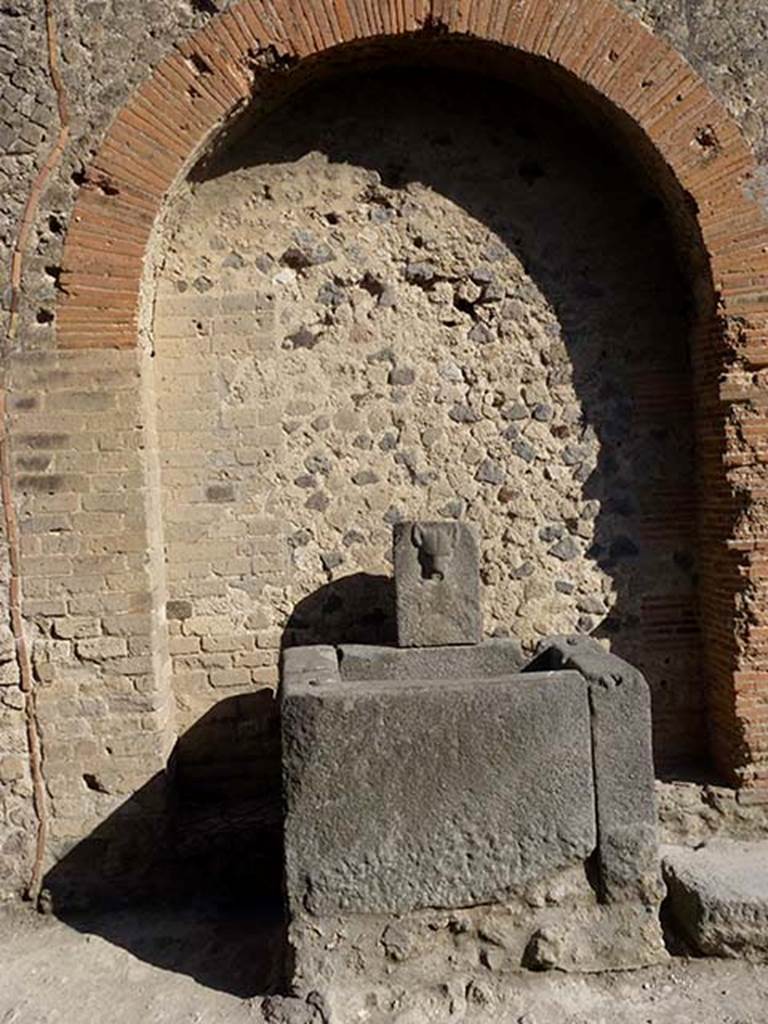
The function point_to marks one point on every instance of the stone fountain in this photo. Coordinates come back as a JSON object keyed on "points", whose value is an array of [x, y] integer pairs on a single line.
{"points": [[448, 805]]}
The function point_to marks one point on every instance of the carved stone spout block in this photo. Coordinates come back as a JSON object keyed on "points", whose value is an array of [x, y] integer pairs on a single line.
{"points": [[436, 584]]}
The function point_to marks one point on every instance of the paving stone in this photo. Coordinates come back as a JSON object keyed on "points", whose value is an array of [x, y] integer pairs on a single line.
{"points": [[718, 894]]}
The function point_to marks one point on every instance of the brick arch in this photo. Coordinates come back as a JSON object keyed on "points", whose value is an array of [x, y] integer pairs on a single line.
{"points": [[195, 90]]}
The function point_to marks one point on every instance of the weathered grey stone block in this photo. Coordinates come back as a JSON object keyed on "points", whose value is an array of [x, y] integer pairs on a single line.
{"points": [[402, 795], [719, 896], [436, 584], [491, 658], [620, 711], [313, 665]]}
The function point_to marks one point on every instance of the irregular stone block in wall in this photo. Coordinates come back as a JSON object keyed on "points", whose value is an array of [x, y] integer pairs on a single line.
{"points": [[719, 896], [402, 795], [436, 584], [620, 713], [491, 658]]}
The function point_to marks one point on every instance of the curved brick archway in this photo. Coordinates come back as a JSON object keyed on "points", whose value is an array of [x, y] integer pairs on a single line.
{"points": [[196, 90]]}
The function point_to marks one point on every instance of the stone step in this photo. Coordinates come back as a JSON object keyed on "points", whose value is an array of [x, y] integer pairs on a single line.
{"points": [[718, 894]]}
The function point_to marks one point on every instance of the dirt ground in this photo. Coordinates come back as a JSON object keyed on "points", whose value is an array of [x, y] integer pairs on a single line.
{"points": [[202, 967]]}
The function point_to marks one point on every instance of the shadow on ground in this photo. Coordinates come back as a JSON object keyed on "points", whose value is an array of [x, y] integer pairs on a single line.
{"points": [[187, 873], [239, 951]]}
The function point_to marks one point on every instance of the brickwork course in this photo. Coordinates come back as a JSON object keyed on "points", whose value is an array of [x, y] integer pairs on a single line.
{"points": [[241, 342]]}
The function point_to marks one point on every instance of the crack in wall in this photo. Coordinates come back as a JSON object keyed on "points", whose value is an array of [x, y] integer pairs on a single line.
{"points": [[23, 658]]}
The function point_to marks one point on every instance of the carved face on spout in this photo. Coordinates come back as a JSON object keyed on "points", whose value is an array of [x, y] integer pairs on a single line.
{"points": [[437, 584], [436, 543]]}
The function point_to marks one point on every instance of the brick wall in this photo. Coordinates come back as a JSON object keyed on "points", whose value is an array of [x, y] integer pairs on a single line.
{"points": [[103, 708]]}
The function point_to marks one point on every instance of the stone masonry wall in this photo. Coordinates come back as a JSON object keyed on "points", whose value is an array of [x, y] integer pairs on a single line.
{"points": [[411, 296], [104, 49], [81, 497]]}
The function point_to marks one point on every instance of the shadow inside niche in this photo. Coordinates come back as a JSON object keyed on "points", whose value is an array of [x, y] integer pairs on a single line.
{"points": [[187, 873], [356, 609]]}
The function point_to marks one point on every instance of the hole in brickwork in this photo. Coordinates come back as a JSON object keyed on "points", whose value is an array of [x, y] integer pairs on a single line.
{"points": [[464, 305], [269, 58], [107, 187], [54, 271], [200, 64], [95, 784], [706, 138], [433, 24], [372, 284], [44, 316]]}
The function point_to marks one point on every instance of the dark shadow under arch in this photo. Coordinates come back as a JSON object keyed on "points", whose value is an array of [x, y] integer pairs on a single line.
{"points": [[356, 609]]}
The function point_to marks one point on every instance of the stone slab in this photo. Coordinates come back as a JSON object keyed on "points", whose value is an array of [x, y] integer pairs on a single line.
{"points": [[403, 795], [719, 896], [311, 665], [620, 710], [490, 658], [437, 585]]}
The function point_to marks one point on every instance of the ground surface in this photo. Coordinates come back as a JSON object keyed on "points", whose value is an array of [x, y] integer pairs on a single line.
{"points": [[163, 967]]}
